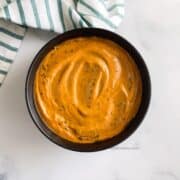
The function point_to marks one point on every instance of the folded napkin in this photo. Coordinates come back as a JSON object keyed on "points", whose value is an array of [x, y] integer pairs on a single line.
{"points": [[51, 15]]}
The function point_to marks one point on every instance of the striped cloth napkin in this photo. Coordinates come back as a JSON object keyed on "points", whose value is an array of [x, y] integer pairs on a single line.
{"points": [[51, 15]]}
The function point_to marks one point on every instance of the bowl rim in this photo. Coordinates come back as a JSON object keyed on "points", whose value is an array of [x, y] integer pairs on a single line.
{"points": [[132, 125]]}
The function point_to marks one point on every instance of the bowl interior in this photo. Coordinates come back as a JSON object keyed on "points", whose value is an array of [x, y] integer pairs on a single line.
{"points": [[134, 123]]}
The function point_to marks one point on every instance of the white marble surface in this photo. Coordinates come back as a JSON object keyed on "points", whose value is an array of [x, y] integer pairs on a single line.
{"points": [[152, 153]]}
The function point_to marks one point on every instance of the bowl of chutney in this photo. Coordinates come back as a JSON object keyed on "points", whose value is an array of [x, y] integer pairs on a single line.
{"points": [[88, 89]]}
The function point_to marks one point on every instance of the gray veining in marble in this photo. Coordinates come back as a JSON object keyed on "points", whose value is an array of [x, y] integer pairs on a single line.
{"points": [[7, 169], [165, 175], [3, 177]]}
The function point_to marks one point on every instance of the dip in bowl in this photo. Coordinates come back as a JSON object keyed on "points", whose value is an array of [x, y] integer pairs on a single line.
{"points": [[88, 89]]}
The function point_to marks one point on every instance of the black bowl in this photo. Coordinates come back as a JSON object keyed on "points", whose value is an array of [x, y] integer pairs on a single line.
{"points": [[134, 123]]}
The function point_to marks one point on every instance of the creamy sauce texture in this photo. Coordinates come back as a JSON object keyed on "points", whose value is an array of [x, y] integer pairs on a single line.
{"points": [[87, 89]]}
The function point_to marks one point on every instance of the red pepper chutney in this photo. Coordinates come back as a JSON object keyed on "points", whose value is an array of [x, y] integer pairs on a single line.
{"points": [[87, 89]]}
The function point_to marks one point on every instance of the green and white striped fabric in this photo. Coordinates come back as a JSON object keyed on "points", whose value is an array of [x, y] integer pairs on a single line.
{"points": [[51, 15]]}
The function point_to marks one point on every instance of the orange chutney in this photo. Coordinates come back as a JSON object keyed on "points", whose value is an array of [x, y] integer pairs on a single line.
{"points": [[87, 89]]}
